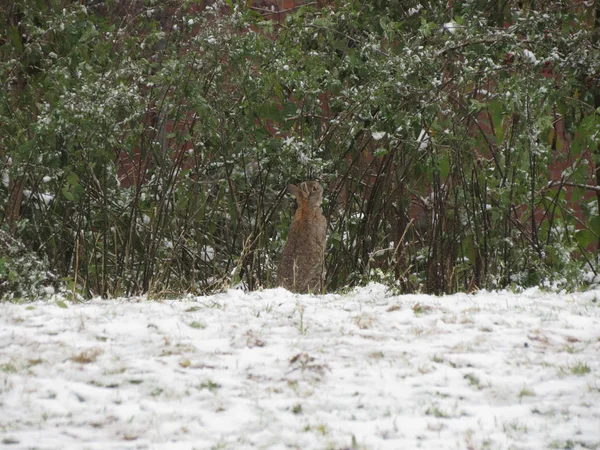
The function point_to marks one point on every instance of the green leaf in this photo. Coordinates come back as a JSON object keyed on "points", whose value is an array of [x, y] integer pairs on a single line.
{"points": [[269, 111], [380, 152], [15, 39], [544, 123], [577, 194], [576, 145], [72, 190], [278, 90], [476, 105], [61, 304], [595, 225], [589, 127], [72, 179], [468, 249], [444, 165], [67, 194], [289, 109], [584, 238]]}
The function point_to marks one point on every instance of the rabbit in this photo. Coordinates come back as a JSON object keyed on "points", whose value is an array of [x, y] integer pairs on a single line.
{"points": [[302, 261]]}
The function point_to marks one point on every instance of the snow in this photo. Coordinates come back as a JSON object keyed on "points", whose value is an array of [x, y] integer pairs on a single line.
{"points": [[530, 56], [274, 370], [424, 140], [413, 11], [451, 26], [378, 135]]}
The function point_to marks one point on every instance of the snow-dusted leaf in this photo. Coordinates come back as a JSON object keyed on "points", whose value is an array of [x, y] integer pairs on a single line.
{"points": [[378, 135]]}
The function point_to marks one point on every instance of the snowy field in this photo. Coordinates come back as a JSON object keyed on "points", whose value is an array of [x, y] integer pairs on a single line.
{"points": [[273, 370]]}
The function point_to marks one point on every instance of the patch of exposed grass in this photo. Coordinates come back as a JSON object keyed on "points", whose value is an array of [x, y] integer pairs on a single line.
{"points": [[473, 380], [222, 445], [515, 426], [435, 411], [364, 321], [549, 413], [376, 355], [462, 347], [438, 359], [156, 392], [563, 445], [526, 392], [450, 318], [210, 385], [322, 429], [87, 356], [104, 385], [442, 394], [569, 348], [297, 409], [8, 368], [419, 309], [302, 328], [197, 325], [580, 369], [253, 339]]}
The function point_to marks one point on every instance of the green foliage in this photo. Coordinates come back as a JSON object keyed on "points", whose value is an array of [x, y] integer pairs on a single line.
{"points": [[154, 143], [23, 275]]}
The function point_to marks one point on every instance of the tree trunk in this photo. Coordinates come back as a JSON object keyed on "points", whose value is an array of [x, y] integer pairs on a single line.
{"points": [[13, 209]]}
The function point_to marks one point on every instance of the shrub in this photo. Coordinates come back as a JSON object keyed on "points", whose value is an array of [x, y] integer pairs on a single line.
{"points": [[23, 276]]}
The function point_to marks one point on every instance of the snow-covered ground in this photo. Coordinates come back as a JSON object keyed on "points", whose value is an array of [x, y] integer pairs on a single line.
{"points": [[273, 370]]}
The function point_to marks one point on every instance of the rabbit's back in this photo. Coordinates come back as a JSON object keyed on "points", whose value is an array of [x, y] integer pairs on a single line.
{"points": [[301, 266]]}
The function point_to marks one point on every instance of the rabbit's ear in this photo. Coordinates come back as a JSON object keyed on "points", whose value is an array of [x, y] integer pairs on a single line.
{"points": [[295, 191], [305, 189]]}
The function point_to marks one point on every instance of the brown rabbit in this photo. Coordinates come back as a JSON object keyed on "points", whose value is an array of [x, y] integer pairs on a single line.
{"points": [[302, 261]]}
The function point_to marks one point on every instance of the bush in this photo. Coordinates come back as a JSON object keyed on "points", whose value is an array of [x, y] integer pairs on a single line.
{"points": [[152, 153], [23, 276]]}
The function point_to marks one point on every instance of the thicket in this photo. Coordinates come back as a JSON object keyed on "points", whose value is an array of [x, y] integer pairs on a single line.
{"points": [[146, 146]]}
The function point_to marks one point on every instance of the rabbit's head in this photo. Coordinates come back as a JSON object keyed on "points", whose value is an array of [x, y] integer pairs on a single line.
{"points": [[308, 194]]}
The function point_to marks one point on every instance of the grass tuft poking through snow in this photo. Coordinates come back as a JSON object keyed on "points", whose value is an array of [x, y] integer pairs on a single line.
{"points": [[365, 370]]}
